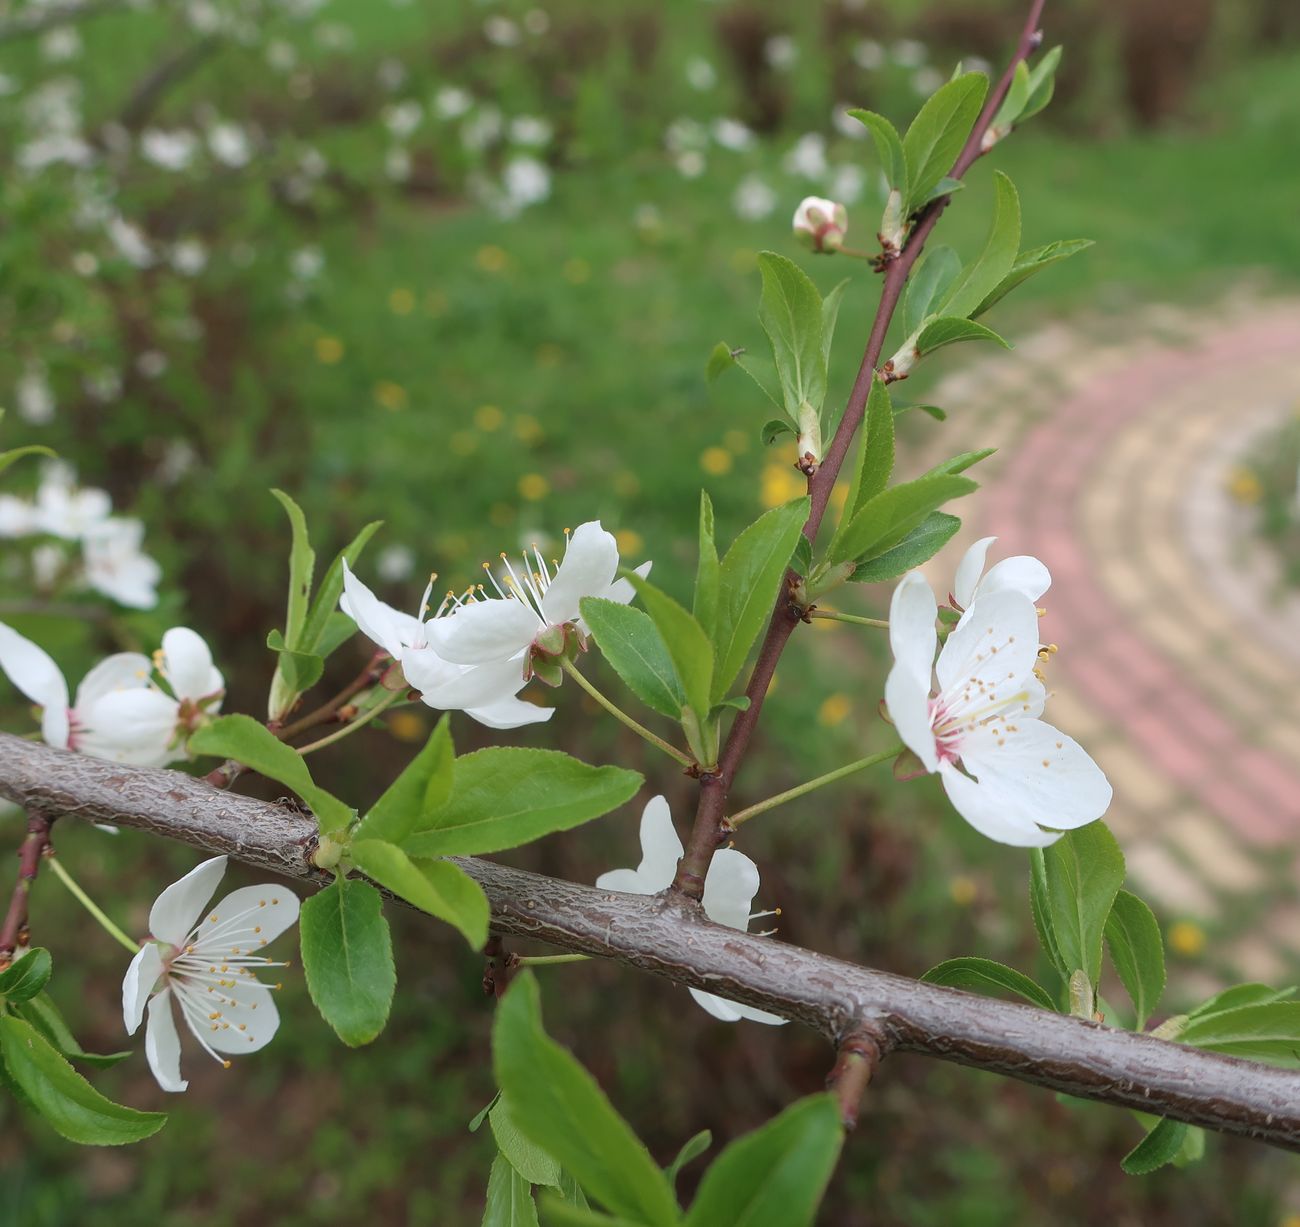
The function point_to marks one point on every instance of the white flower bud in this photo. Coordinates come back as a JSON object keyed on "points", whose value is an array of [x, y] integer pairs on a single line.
{"points": [[820, 224]]}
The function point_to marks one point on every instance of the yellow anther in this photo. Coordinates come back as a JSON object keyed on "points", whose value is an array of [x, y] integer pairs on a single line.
{"points": [[225, 1064]]}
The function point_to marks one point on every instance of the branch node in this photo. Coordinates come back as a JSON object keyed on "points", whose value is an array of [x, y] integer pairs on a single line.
{"points": [[857, 1059]]}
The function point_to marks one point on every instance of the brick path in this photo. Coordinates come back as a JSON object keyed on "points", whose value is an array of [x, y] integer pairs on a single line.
{"points": [[1179, 668]]}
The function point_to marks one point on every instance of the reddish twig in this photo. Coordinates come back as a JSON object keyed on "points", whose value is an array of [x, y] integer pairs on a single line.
{"points": [[707, 833], [500, 968], [856, 1061], [14, 932]]}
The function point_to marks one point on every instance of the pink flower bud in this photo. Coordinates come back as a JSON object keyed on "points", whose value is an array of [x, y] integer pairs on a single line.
{"points": [[820, 224]]}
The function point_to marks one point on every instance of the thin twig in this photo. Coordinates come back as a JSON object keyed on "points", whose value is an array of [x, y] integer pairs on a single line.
{"points": [[623, 718], [856, 1062], [499, 968], [13, 933], [801, 790]]}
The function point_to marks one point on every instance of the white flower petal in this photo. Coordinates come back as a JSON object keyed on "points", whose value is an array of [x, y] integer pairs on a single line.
{"points": [[588, 568], [33, 671], [176, 911], [383, 625], [1038, 773], [187, 663], [162, 1046], [912, 611], [982, 808], [138, 983], [121, 671], [969, 571], [485, 631], [130, 726], [245, 921], [621, 590], [661, 847], [729, 888], [719, 1007], [248, 1016], [1021, 573], [996, 643], [907, 698], [452, 687], [510, 714], [626, 880]]}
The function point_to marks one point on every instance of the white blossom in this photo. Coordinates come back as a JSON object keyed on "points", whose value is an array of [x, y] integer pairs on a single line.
{"points": [[170, 150], [402, 118], [34, 397], [1022, 573], [908, 53], [700, 74], [868, 54], [65, 511], [807, 156], [189, 257], [781, 51], [230, 144], [753, 199], [530, 130], [729, 889], [451, 102], [60, 44], [526, 180], [732, 134], [130, 241], [501, 32], [116, 565], [207, 964], [820, 224]]}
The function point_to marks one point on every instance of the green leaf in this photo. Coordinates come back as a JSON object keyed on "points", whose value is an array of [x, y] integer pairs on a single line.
{"points": [[300, 670], [939, 415], [535, 1164], [691, 1150], [1041, 911], [325, 603], [889, 148], [15, 454], [774, 429], [963, 461], [1042, 84], [42, 1013], [559, 1213], [506, 796], [938, 269], [790, 310], [509, 1197], [750, 580], [706, 575], [347, 955], [987, 977], [723, 358], [980, 278], [945, 187], [246, 741], [558, 1104], [775, 1176], [1084, 871], [1239, 995], [1160, 1146], [62, 1096], [876, 454], [688, 645], [1263, 1032], [1138, 953], [424, 784], [1027, 264], [1016, 97], [302, 561], [919, 546], [939, 131], [440, 888], [633, 645], [25, 978], [339, 628], [884, 521], [831, 313], [482, 1114], [801, 562], [947, 330]]}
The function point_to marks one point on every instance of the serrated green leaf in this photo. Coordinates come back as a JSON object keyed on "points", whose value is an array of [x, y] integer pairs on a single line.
{"points": [[557, 1103], [918, 547], [987, 977], [506, 796], [424, 784], [632, 644], [691, 1150], [1239, 995], [963, 461], [889, 148], [750, 579], [1262, 1032], [790, 311], [830, 314], [1084, 871], [246, 741], [42, 1013], [71, 1106], [688, 645], [440, 888], [947, 330], [1160, 1146], [775, 1176], [347, 956], [476, 1121], [706, 573], [937, 134], [509, 1197], [875, 452], [1041, 911], [935, 275], [302, 561], [1027, 264], [25, 978], [1138, 953], [884, 521], [325, 603], [533, 1162], [995, 260]]}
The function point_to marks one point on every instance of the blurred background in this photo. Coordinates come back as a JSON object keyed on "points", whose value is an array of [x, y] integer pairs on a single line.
{"points": [[459, 267]]}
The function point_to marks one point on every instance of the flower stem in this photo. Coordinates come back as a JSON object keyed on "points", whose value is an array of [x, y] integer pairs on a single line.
{"points": [[834, 615], [812, 785], [360, 722], [91, 906], [620, 715], [550, 960]]}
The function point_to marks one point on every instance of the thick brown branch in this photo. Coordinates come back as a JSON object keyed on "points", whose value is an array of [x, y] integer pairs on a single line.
{"points": [[707, 831], [13, 933], [667, 935]]}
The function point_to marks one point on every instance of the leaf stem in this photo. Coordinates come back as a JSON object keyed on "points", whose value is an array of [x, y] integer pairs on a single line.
{"points": [[834, 615], [550, 960], [620, 715], [821, 781], [348, 729], [91, 906]]}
